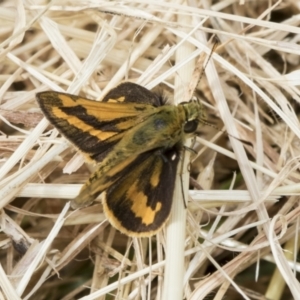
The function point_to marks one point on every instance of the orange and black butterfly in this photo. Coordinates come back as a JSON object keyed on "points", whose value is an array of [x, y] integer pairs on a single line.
{"points": [[136, 139]]}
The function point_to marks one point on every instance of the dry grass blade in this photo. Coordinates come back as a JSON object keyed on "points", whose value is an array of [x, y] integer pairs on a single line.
{"points": [[238, 235]]}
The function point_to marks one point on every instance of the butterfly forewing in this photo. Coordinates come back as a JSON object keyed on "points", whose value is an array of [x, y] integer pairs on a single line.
{"points": [[93, 127], [139, 203]]}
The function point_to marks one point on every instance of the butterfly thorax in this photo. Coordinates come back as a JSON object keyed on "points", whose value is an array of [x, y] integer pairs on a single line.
{"points": [[164, 128]]}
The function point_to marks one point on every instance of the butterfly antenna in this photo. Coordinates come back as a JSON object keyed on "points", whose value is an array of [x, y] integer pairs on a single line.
{"points": [[214, 47], [205, 64], [204, 122]]}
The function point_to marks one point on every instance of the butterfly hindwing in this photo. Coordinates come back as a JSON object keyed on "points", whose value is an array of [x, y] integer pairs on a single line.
{"points": [[133, 93]]}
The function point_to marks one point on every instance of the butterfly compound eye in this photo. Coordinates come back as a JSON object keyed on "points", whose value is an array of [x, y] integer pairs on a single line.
{"points": [[190, 126]]}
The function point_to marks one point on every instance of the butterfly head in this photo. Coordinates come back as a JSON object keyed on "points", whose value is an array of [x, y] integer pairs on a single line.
{"points": [[195, 114]]}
